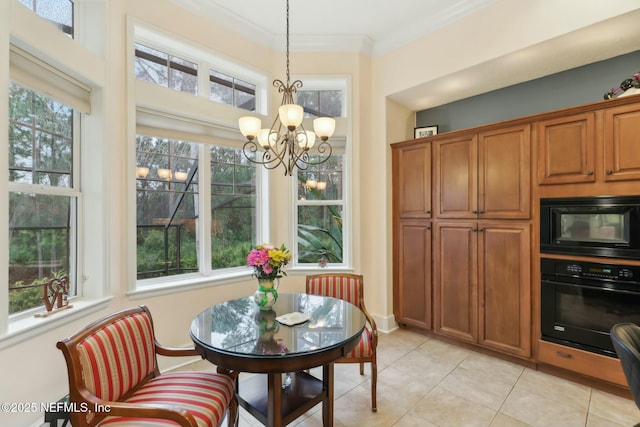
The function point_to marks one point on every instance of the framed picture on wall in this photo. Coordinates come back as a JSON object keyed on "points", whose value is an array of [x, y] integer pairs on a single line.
{"points": [[425, 131]]}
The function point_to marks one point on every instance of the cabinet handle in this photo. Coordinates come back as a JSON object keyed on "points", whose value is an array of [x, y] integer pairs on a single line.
{"points": [[480, 212], [609, 172], [589, 172], [429, 212], [480, 230], [474, 212], [563, 354]]}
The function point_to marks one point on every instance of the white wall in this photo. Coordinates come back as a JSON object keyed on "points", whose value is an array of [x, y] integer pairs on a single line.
{"points": [[34, 371]]}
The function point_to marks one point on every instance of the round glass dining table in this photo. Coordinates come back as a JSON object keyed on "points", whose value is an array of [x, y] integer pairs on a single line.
{"points": [[315, 331]]}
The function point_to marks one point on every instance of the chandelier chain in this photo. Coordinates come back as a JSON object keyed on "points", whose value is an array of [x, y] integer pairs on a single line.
{"points": [[288, 79]]}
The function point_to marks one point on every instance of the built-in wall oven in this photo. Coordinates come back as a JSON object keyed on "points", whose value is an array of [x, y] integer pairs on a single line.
{"points": [[581, 301]]}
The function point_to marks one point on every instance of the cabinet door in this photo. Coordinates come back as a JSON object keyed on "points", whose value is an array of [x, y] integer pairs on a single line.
{"points": [[456, 177], [413, 287], [413, 169], [504, 173], [504, 286], [455, 280], [566, 149], [622, 143]]}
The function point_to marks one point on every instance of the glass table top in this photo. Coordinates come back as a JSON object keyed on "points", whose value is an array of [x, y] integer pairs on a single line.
{"points": [[239, 327]]}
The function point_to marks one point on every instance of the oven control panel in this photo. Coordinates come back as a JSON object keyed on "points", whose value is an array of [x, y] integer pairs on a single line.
{"points": [[559, 267]]}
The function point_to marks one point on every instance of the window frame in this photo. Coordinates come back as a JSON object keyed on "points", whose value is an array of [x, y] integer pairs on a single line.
{"points": [[74, 193], [73, 61], [154, 106], [340, 145]]}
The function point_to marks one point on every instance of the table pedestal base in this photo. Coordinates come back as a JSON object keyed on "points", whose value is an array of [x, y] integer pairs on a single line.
{"points": [[264, 398]]}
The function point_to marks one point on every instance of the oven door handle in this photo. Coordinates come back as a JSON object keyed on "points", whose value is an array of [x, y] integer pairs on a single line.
{"points": [[605, 287]]}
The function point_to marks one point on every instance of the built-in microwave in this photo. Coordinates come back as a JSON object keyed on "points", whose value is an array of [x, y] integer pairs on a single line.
{"points": [[603, 226]]}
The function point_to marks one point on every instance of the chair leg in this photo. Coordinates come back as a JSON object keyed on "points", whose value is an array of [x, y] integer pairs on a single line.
{"points": [[361, 368], [374, 382], [232, 413]]}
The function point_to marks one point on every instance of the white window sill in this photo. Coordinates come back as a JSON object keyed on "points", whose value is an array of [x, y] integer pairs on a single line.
{"points": [[314, 269], [28, 327], [172, 284]]}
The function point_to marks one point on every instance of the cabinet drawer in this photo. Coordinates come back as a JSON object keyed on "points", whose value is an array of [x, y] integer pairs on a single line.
{"points": [[582, 362]]}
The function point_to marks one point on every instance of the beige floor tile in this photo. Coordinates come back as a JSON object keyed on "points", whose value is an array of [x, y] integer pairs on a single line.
{"points": [[477, 387], [502, 420], [413, 420], [555, 388], [428, 383], [540, 411], [615, 408], [446, 409], [594, 420], [492, 368]]}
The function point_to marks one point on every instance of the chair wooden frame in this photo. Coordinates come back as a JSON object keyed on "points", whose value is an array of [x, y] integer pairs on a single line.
{"points": [[371, 326], [81, 397]]}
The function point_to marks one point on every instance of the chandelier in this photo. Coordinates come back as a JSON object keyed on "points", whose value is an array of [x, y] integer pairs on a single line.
{"points": [[286, 143]]}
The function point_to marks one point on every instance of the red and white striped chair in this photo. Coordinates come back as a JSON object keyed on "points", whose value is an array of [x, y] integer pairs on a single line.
{"points": [[114, 379], [350, 288]]}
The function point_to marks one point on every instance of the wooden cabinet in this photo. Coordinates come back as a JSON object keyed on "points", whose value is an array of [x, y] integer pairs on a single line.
{"points": [[622, 143], [412, 170], [412, 234], [482, 284], [412, 293], [484, 175], [568, 146], [566, 149]]}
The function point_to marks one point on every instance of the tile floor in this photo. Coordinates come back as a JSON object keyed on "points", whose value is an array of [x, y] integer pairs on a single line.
{"points": [[423, 382]]}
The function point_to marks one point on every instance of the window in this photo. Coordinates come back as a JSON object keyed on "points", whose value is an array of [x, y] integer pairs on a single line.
{"points": [[233, 207], [43, 196], [170, 199], [320, 212], [231, 91], [58, 12], [321, 103], [166, 70], [167, 206]]}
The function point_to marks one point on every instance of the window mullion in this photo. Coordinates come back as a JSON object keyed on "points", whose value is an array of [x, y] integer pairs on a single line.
{"points": [[204, 210]]}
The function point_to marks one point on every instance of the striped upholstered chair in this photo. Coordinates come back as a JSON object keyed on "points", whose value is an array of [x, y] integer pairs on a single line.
{"points": [[114, 379], [350, 287]]}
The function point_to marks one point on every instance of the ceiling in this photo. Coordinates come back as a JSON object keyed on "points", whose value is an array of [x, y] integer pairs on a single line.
{"points": [[376, 27], [379, 25]]}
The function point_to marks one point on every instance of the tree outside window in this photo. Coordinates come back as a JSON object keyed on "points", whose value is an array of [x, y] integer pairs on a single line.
{"points": [[42, 199], [320, 206]]}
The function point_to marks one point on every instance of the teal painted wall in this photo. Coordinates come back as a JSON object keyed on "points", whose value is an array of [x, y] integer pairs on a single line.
{"points": [[569, 88]]}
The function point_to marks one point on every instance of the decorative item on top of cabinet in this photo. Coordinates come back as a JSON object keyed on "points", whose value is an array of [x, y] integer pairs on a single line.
{"points": [[622, 143], [566, 149], [484, 175]]}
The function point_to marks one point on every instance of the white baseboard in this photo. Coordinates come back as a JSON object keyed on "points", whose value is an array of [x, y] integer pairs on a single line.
{"points": [[385, 324]]}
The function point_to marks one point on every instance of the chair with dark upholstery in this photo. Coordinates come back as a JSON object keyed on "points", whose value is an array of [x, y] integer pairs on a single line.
{"points": [[350, 288], [626, 341], [114, 378]]}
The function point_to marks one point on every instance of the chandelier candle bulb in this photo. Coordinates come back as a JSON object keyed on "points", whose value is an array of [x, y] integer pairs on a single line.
{"points": [[263, 138], [291, 115], [249, 126], [164, 173], [306, 139], [181, 175], [142, 172], [324, 127]]}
